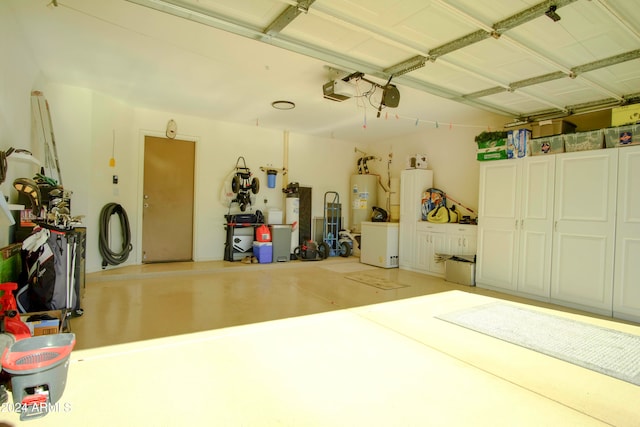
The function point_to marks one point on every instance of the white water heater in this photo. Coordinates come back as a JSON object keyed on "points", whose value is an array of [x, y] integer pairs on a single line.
{"points": [[364, 195]]}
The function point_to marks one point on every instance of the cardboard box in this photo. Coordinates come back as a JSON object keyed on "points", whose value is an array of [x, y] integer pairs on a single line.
{"points": [[627, 115], [583, 141], [494, 142], [492, 145], [517, 143], [551, 127], [547, 145], [497, 153], [417, 161], [622, 136], [460, 272], [10, 263], [43, 327], [495, 149]]}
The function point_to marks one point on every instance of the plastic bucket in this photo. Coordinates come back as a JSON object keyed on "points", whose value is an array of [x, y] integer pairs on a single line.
{"points": [[38, 368]]}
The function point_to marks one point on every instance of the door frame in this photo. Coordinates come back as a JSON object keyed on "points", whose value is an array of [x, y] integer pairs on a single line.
{"points": [[140, 190]]}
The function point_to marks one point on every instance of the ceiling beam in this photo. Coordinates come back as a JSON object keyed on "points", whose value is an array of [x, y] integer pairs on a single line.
{"points": [[464, 41], [537, 80], [586, 107], [272, 34], [290, 13], [606, 62], [574, 72], [407, 66], [527, 15], [495, 31]]}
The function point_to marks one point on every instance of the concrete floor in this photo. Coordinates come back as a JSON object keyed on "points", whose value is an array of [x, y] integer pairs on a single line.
{"points": [[133, 303], [355, 364]]}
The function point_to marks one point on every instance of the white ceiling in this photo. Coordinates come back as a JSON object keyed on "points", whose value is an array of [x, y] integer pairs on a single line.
{"points": [[229, 59]]}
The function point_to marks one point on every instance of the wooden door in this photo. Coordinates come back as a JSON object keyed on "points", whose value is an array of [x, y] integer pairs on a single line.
{"points": [[168, 189]]}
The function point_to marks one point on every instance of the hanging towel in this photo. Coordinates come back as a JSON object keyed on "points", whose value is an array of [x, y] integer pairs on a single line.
{"points": [[36, 240]]}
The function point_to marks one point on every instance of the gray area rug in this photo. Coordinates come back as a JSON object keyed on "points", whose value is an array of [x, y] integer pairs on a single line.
{"points": [[377, 282], [348, 267], [603, 350]]}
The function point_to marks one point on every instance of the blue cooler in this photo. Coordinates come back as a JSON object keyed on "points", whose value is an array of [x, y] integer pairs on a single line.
{"points": [[263, 251]]}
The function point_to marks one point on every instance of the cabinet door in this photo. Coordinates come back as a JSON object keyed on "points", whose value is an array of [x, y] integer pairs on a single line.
{"points": [[439, 244], [463, 239], [412, 184], [626, 287], [423, 251], [406, 245], [499, 201], [584, 229], [536, 225], [431, 239]]}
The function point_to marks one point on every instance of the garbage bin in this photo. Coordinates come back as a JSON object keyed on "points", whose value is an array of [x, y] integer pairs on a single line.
{"points": [[281, 242]]}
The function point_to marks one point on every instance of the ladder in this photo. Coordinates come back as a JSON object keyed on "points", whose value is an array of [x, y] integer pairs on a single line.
{"points": [[42, 134]]}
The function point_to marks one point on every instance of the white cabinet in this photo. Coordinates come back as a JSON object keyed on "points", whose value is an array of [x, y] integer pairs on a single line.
{"points": [[515, 225], [626, 285], [563, 228], [584, 230], [420, 241], [413, 183], [462, 239], [432, 239]]}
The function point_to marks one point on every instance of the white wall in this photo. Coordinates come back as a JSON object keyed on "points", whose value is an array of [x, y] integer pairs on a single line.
{"points": [[85, 121], [451, 154], [19, 75]]}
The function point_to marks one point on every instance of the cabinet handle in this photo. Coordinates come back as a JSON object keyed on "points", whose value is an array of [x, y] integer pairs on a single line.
{"points": [[460, 241], [555, 226]]}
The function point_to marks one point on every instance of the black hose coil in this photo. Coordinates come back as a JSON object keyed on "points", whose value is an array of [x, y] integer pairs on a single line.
{"points": [[109, 256]]}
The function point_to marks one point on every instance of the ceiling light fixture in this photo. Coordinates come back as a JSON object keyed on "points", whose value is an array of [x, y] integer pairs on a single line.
{"points": [[283, 105], [551, 13]]}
